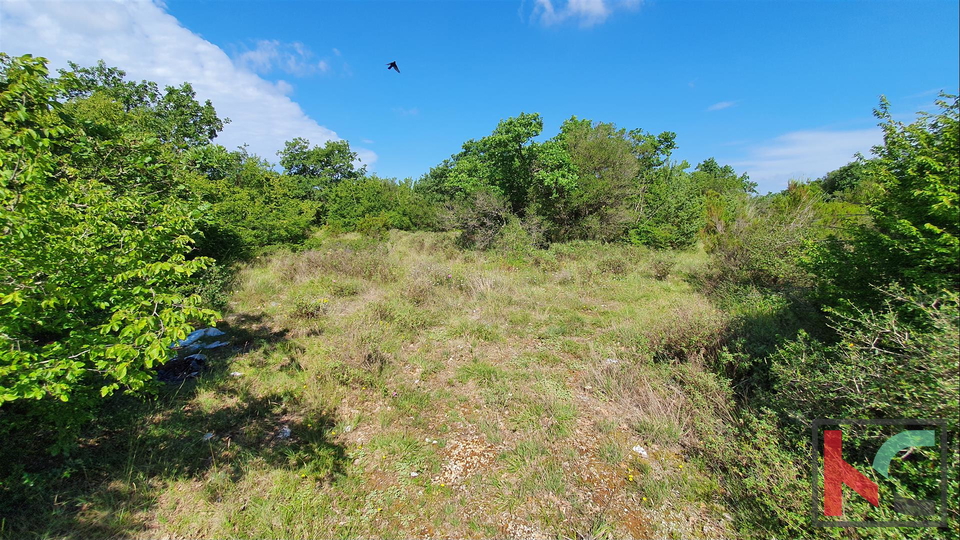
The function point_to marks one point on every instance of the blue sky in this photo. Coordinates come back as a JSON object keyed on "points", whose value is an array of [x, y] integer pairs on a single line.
{"points": [[777, 89]]}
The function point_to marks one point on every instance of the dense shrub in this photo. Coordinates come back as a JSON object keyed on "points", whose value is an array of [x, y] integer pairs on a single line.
{"points": [[885, 365], [375, 204], [764, 241], [480, 218], [94, 260], [914, 236], [251, 206], [671, 211]]}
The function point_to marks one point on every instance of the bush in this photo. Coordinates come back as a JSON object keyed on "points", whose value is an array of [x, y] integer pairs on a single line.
{"points": [[672, 210], [690, 333], [250, 205], [376, 205], [914, 237], [765, 243], [913, 340], [480, 219], [95, 255], [662, 264]]}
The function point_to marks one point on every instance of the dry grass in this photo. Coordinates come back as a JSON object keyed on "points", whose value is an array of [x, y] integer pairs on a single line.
{"points": [[434, 392]]}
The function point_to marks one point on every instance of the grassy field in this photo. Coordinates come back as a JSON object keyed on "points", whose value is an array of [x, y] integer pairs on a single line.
{"points": [[427, 391]]}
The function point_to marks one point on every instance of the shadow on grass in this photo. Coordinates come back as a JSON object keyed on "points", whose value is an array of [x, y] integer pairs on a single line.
{"points": [[107, 487], [763, 319]]}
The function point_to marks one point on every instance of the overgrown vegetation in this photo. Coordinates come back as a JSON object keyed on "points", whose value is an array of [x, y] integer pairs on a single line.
{"points": [[571, 338]]}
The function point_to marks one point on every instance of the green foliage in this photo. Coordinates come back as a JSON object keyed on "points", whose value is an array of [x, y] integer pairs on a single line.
{"points": [[519, 238], [603, 204], [374, 204], [766, 475], [251, 206], [914, 236], [506, 162], [333, 162], [173, 116], [480, 218], [671, 211], [723, 180], [318, 170], [94, 252], [887, 281], [765, 240], [845, 179], [884, 365], [588, 182]]}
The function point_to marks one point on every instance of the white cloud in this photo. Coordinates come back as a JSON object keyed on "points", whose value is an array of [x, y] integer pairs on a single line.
{"points": [[402, 111], [722, 105], [586, 12], [148, 43], [271, 55], [284, 87], [803, 155]]}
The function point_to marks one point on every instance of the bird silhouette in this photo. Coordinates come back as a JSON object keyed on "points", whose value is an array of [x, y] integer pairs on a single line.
{"points": [[393, 65]]}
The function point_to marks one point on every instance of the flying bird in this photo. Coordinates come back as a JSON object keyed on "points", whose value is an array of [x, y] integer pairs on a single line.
{"points": [[393, 65]]}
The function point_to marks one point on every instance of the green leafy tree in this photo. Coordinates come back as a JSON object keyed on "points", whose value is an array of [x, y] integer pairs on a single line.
{"points": [[173, 116], [671, 210], [507, 162], [334, 161], [319, 169], [377, 204], [93, 254], [251, 205], [710, 176], [914, 235], [652, 151], [602, 206], [846, 178]]}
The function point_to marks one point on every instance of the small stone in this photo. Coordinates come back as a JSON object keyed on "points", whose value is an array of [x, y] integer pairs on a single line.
{"points": [[208, 436], [588, 388], [640, 450], [236, 374], [414, 474], [284, 433]]}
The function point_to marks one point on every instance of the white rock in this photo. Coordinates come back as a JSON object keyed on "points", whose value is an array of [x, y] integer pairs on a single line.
{"points": [[236, 374], [284, 433], [640, 450], [414, 474]]}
